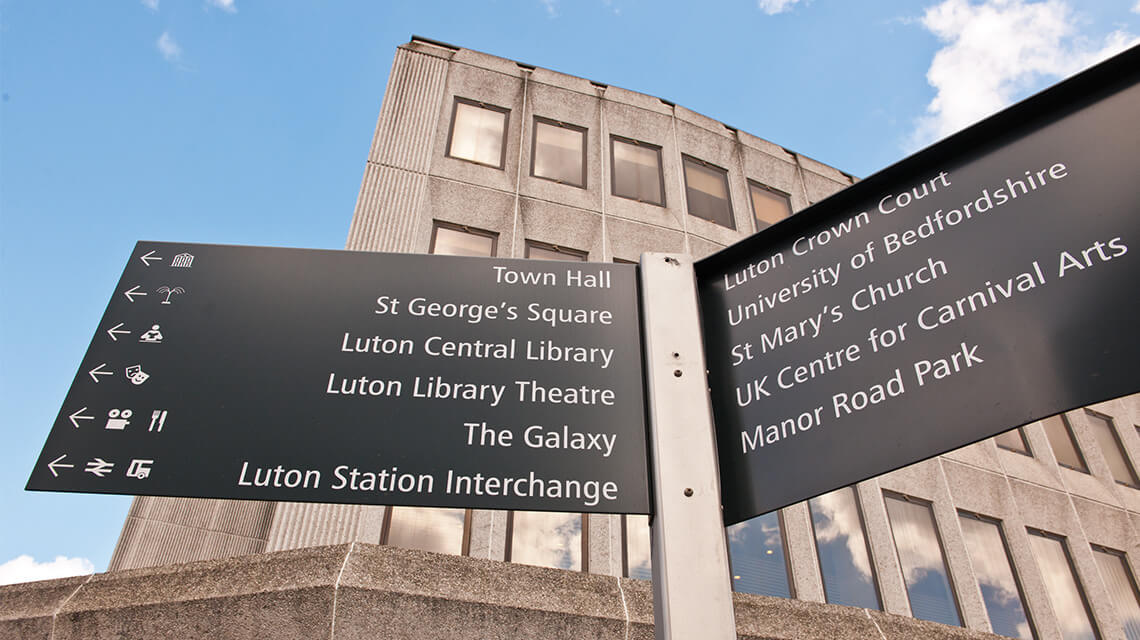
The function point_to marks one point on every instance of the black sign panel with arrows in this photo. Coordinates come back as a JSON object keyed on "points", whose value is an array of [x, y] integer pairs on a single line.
{"points": [[349, 377], [986, 282]]}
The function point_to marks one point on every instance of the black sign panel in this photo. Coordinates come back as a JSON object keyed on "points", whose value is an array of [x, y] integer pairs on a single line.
{"points": [[984, 283], [349, 377]]}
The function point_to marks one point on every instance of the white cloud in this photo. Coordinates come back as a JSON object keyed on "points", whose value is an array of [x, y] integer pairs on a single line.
{"points": [[25, 569], [996, 52], [551, 7], [151, 4], [1136, 9], [772, 7], [224, 5], [168, 47]]}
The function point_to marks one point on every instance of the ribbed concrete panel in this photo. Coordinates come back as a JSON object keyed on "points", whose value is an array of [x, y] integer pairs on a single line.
{"points": [[163, 530], [167, 543], [387, 210], [407, 122], [302, 524], [243, 518]]}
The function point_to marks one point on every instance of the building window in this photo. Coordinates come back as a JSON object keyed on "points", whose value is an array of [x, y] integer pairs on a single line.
{"points": [[1013, 440], [428, 529], [756, 550], [1109, 442], [1121, 588], [768, 205], [543, 251], [1061, 583], [636, 171], [923, 563], [638, 552], [844, 560], [547, 539], [1063, 444], [478, 132], [1000, 588], [559, 152], [706, 190], [458, 240]]}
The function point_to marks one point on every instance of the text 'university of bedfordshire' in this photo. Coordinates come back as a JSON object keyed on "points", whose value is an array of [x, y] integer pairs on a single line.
{"points": [[929, 306]]}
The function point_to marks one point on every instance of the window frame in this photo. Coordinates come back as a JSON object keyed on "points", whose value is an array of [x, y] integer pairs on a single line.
{"points": [[1072, 571], [1123, 557], [465, 544], [788, 556], [941, 549], [625, 545], [1024, 441], [1073, 440], [753, 184], [962, 513], [489, 107], [660, 168], [866, 545], [436, 224], [685, 158], [1111, 424], [561, 125], [585, 543], [577, 254]]}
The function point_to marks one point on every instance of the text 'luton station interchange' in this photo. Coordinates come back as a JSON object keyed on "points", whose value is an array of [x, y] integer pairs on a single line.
{"points": [[349, 377]]}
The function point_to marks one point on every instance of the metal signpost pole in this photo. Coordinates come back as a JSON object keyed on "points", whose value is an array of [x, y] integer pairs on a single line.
{"points": [[692, 595]]}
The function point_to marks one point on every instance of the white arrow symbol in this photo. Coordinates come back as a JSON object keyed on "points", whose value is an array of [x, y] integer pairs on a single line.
{"points": [[132, 292], [96, 372], [148, 256], [76, 416], [56, 463], [115, 329]]}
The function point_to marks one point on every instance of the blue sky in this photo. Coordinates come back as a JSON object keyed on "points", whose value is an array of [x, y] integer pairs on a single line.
{"points": [[240, 122]]}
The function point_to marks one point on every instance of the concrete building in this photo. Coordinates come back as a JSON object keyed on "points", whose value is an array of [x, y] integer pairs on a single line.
{"points": [[1034, 533]]}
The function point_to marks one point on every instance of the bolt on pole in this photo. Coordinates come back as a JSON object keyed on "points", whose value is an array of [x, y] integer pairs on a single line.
{"points": [[692, 593]]}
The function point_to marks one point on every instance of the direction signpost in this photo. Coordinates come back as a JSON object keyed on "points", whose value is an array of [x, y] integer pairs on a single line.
{"points": [[349, 377], [986, 282], [982, 284]]}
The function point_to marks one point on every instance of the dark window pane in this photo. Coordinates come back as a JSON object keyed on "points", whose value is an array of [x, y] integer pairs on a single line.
{"points": [[1000, 590], [477, 134], [923, 565], [637, 549], [1014, 440], [458, 242], [637, 172], [1061, 440], [428, 529], [558, 153], [1121, 588], [547, 539], [1064, 590], [539, 251], [756, 550], [768, 206], [844, 560], [706, 189], [1110, 447]]}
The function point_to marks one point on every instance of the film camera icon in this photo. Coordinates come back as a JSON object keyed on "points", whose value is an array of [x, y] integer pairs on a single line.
{"points": [[118, 419]]}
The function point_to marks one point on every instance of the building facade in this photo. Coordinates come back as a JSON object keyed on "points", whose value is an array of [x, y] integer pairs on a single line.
{"points": [[1031, 534]]}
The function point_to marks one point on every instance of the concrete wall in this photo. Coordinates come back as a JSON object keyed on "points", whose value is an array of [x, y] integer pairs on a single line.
{"points": [[367, 591]]}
